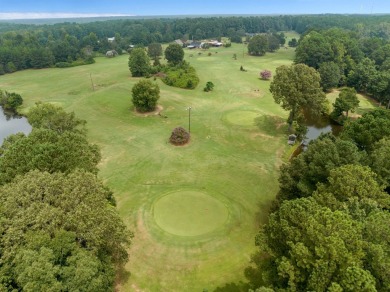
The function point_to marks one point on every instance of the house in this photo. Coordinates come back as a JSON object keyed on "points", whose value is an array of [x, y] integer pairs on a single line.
{"points": [[215, 43], [195, 45], [110, 40], [179, 42]]}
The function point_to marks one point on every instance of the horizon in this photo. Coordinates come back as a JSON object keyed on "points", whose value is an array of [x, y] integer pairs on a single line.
{"points": [[45, 9]]}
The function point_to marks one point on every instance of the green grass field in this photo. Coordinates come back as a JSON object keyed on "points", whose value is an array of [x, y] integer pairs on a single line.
{"points": [[195, 209]]}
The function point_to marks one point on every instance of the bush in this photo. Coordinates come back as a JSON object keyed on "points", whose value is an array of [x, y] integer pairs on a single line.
{"points": [[179, 136], [78, 62], [265, 75], [209, 86]]}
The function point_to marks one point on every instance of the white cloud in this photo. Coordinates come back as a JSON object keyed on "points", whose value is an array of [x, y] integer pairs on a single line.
{"points": [[40, 15]]}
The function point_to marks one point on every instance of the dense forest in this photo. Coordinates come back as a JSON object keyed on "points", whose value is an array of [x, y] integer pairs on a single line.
{"points": [[328, 229], [38, 46]]}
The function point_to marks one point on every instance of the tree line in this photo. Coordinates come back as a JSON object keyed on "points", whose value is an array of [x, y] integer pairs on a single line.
{"points": [[39, 46], [60, 230], [328, 229], [348, 58]]}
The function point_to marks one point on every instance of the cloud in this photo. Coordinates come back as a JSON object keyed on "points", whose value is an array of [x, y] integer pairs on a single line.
{"points": [[39, 15]]}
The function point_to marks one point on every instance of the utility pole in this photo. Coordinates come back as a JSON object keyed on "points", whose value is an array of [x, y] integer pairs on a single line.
{"points": [[93, 86], [189, 120]]}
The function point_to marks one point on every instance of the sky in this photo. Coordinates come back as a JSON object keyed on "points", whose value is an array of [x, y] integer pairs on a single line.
{"points": [[17, 9]]}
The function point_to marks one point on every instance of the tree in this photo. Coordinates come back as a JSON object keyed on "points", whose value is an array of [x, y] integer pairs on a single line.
{"points": [[46, 150], [297, 89], [353, 189], [10, 100], [59, 232], [52, 117], [145, 95], [258, 45], [379, 161], [362, 75], [347, 101], [330, 75], [368, 129], [273, 43], [154, 50], [300, 177], [293, 43], [174, 54], [139, 63], [265, 74], [313, 49], [311, 248]]}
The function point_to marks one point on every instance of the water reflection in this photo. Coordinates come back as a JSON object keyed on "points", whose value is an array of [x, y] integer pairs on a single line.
{"points": [[316, 127], [11, 123]]}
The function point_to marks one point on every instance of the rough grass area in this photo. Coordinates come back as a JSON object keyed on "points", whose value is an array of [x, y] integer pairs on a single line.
{"points": [[238, 137]]}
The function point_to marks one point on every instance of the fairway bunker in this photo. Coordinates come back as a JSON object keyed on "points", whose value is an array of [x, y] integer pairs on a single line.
{"points": [[242, 118], [189, 213]]}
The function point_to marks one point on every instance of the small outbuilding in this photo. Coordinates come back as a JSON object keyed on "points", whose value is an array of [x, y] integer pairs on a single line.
{"points": [[292, 139], [111, 54]]}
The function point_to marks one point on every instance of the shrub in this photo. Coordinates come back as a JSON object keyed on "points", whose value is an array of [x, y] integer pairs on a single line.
{"points": [[179, 136], [265, 75], [209, 86]]}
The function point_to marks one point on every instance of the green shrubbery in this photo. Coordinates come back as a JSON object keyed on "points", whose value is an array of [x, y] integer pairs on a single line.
{"points": [[10, 100], [75, 63], [182, 75]]}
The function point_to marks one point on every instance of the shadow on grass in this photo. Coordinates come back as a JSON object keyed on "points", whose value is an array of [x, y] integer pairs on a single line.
{"points": [[271, 125], [234, 287], [122, 276]]}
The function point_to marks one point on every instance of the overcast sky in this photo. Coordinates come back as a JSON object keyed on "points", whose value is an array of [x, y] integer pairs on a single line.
{"points": [[76, 8]]}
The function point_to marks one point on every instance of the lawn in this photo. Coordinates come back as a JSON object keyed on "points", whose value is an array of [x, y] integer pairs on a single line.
{"points": [[194, 209]]}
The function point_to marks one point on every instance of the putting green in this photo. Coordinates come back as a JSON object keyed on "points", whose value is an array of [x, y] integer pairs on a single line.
{"points": [[189, 213], [242, 118]]}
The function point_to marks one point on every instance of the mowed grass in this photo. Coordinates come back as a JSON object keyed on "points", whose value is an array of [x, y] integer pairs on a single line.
{"points": [[189, 213], [238, 137]]}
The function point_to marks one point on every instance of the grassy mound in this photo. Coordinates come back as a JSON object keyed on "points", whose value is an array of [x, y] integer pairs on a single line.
{"points": [[189, 213]]}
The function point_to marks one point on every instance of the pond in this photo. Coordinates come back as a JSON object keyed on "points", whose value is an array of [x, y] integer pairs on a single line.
{"points": [[11, 123], [320, 126], [316, 127]]}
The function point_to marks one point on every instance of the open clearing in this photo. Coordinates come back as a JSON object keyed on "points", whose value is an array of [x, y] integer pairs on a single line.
{"points": [[223, 180]]}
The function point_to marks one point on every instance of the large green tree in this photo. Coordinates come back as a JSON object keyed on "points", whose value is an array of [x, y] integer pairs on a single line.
{"points": [[59, 233], [145, 95], [258, 45], [174, 54], [368, 129], [379, 160], [353, 189], [314, 49], [52, 117], [154, 50], [300, 177], [330, 75], [47, 150], [297, 88], [139, 63], [345, 102], [313, 249]]}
